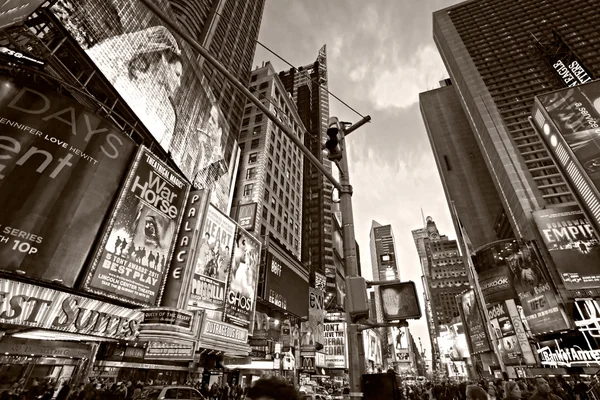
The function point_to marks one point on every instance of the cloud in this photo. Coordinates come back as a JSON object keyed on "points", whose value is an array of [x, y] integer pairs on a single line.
{"points": [[399, 86]]}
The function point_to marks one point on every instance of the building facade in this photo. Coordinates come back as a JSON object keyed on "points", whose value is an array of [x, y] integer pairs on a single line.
{"points": [[228, 29], [307, 86], [444, 277]]}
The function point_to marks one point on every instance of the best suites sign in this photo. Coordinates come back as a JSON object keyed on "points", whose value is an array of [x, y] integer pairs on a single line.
{"points": [[38, 307]]}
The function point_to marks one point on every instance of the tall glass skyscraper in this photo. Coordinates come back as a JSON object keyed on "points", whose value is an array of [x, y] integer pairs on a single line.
{"points": [[490, 49]]}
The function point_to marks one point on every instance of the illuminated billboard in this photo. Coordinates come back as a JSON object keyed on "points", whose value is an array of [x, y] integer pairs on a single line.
{"points": [[568, 122], [61, 167], [158, 77], [475, 328], [572, 244], [285, 286]]}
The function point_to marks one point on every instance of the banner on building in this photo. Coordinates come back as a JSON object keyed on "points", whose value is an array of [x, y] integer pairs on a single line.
{"points": [[311, 331], [568, 122], [335, 345], [536, 296], [503, 329], [572, 244], [372, 346], [477, 335], [246, 216], [286, 286], [60, 169], [212, 263], [182, 265], [496, 283], [135, 252], [156, 75], [580, 348], [520, 332], [241, 289]]}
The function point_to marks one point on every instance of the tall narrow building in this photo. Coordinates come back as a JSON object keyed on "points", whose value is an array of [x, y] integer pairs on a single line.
{"points": [[445, 276], [307, 86], [491, 50], [228, 29]]}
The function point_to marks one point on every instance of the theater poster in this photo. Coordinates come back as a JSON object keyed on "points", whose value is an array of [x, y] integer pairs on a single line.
{"points": [[133, 259], [213, 261], [240, 298], [572, 244], [61, 167]]}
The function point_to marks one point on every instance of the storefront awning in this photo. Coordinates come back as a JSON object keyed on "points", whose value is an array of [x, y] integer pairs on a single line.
{"points": [[43, 334], [231, 349]]}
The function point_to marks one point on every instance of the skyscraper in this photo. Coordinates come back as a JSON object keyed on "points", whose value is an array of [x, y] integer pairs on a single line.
{"points": [[307, 85], [489, 49], [445, 276], [465, 178], [228, 29]]}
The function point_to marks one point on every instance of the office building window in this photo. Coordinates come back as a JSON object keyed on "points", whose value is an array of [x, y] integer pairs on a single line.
{"points": [[272, 220], [243, 134], [266, 196], [246, 121], [278, 226], [285, 233], [270, 164], [265, 213], [242, 146], [280, 210], [258, 118], [252, 157], [263, 230], [271, 149], [247, 110], [250, 173], [273, 202], [248, 189], [263, 85], [268, 179], [285, 217], [257, 129], [254, 144]]}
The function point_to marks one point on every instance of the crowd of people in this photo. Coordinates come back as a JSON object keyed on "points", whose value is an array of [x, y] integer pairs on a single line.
{"points": [[521, 389]]}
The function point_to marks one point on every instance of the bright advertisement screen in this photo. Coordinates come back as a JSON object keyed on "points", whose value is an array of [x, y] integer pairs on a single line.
{"points": [[158, 77]]}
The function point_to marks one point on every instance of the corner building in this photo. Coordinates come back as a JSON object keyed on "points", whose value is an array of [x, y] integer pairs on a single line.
{"points": [[488, 49]]}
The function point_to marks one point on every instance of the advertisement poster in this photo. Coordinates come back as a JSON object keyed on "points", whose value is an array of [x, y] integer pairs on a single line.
{"points": [[213, 260], [581, 349], [286, 285], [520, 332], [157, 76], [576, 114], [60, 169], [335, 345], [266, 328], [505, 333], [572, 244], [241, 291], [472, 319], [537, 297], [182, 265], [496, 283], [312, 330], [372, 347], [133, 259]]}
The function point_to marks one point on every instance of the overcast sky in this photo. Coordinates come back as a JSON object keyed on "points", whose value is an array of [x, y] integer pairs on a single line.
{"points": [[381, 55]]}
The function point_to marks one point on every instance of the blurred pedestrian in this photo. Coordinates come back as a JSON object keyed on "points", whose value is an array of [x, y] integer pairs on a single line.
{"points": [[543, 391], [512, 391]]}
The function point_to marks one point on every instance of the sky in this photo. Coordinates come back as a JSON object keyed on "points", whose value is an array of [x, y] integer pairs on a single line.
{"points": [[380, 56]]}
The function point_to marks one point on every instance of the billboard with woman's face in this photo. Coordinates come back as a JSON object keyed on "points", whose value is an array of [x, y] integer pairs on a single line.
{"points": [[158, 78]]}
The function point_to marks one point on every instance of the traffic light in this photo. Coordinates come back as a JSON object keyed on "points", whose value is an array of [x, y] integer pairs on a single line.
{"points": [[357, 301], [400, 301], [333, 144]]}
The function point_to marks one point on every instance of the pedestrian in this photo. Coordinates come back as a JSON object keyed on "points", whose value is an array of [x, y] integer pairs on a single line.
{"points": [[512, 390], [64, 391], [475, 392], [543, 391], [272, 389]]}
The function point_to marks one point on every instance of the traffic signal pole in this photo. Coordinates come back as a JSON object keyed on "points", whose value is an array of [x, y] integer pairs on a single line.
{"points": [[355, 356]]}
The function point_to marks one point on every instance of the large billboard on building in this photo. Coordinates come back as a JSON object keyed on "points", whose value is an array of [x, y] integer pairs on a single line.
{"points": [[60, 169], [496, 283], [285, 287], [134, 255], [311, 331], [240, 297], [536, 295], [475, 331], [572, 244], [212, 264], [569, 123], [335, 346], [158, 77]]}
